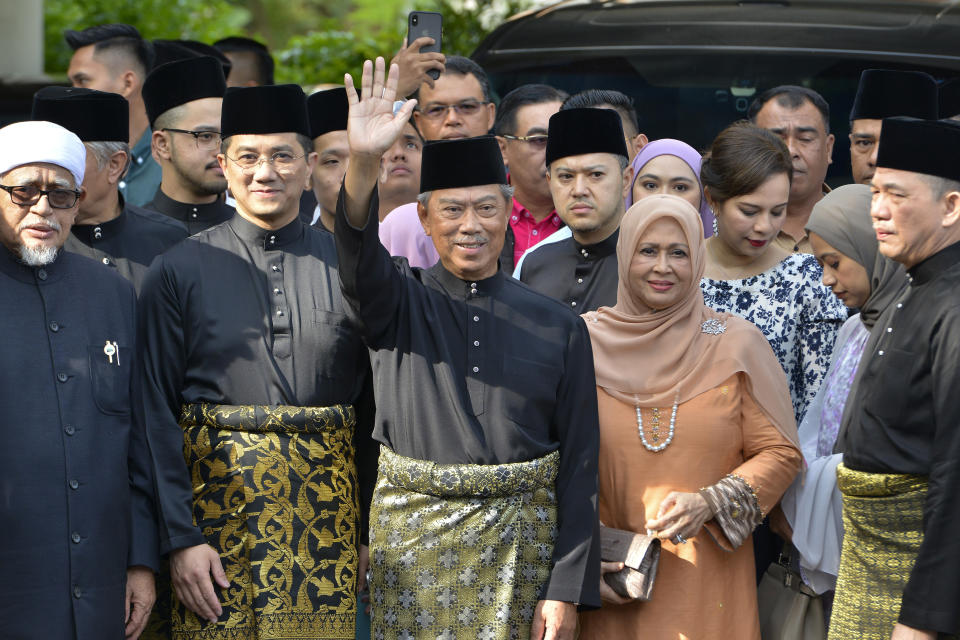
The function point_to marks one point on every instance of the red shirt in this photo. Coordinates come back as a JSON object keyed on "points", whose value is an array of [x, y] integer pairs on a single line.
{"points": [[527, 231]]}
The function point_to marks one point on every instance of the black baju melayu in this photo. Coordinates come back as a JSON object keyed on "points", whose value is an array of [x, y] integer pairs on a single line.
{"points": [[900, 475], [129, 242], [483, 392], [251, 371], [76, 507], [196, 217], [583, 277]]}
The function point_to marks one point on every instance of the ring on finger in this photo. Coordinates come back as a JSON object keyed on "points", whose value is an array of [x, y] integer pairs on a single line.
{"points": [[679, 539]]}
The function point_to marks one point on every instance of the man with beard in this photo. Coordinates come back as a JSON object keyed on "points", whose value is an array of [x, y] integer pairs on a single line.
{"points": [[884, 93], [802, 118], [79, 535], [589, 176], [252, 377], [107, 229], [183, 101]]}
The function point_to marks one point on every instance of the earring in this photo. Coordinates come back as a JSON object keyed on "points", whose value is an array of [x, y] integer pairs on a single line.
{"points": [[716, 226]]}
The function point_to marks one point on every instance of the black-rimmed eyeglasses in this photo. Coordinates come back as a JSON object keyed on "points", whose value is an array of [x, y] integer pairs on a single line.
{"points": [[206, 140], [29, 195]]}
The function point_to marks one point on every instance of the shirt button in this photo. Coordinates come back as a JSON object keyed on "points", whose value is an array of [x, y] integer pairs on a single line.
{"points": [[514, 218], [573, 304], [276, 292], [139, 161], [74, 484], [122, 184], [579, 280], [193, 215], [880, 353], [62, 377], [476, 318], [273, 239], [899, 305], [275, 267], [69, 429], [534, 232], [476, 343], [97, 233], [106, 261], [476, 369], [54, 326], [889, 329], [77, 593], [42, 274], [75, 537], [279, 312]]}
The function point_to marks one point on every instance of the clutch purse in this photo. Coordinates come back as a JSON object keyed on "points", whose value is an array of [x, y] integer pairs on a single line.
{"points": [[640, 555]]}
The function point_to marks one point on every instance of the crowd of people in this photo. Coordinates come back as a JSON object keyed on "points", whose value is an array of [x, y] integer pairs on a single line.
{"points": [[390, 360]]}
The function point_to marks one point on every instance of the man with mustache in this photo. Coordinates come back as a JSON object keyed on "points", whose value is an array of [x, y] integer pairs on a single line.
{"points": [[884, 93], [802, 118], [484, 519], [183, 101], [589, 176], [900, 560], [107, 229], [79, 534]]}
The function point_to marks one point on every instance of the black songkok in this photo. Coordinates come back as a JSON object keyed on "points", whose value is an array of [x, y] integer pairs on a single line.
{"points": [[328, 111], [920, 146], [467, 162], [950, 98], [95, 116], [883, 93], [276, 108], [170, 50], [175, 83], [576, 132]]}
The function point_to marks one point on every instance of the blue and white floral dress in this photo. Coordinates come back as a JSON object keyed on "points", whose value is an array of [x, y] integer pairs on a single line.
{"points": [[799, 316]]}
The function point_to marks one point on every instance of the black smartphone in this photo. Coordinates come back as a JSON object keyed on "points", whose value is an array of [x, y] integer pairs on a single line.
{"points": [[426, 24]]}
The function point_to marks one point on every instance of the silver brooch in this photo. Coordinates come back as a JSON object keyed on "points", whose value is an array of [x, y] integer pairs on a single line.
{"points": [[714, 327]]}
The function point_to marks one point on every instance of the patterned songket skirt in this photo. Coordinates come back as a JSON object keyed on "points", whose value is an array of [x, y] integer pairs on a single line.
{"points": [[883, 530], [460, 550], [275, 493]]}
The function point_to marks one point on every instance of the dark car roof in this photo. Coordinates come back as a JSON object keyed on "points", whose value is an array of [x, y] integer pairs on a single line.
{"points": [[917, 32]]}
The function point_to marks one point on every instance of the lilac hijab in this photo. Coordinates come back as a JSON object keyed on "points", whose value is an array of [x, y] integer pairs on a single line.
{"points": [[670, 147]]}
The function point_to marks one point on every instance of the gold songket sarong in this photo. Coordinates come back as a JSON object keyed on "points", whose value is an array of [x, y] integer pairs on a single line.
{"points": [[275, 493], [883, 530], [460, 550]]}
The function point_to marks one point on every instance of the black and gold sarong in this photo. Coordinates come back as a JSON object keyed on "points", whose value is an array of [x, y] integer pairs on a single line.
{"points": [[883, 530], [275, 493], [460, 551]]}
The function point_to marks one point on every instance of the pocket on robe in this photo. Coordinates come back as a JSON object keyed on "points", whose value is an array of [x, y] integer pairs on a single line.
{"points": [[110, 381]]}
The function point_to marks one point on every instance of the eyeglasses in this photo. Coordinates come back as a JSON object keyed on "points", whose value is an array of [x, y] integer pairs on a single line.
{"points": [[282, 161], [539, 140], [29, 195], [206, 140], [465, 108]]}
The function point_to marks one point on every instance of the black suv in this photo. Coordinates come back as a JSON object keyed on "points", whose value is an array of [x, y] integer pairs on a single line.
{"points": [[694, 66]]}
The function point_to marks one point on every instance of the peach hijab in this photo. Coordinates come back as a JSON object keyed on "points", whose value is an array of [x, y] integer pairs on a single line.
{"points": [[655, 358]]}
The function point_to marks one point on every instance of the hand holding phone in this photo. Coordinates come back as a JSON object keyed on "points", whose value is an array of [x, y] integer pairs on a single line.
{"points": [[426, 24]]}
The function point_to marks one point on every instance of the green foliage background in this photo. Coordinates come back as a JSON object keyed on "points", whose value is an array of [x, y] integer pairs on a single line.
{"points": [[313, 41]]}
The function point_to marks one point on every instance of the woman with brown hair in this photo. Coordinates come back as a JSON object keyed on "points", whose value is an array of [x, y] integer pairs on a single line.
{"points": [[697, 436], [746, 178]]}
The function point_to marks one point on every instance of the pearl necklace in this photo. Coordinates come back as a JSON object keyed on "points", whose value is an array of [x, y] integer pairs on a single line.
{"points": [[656, 428]]}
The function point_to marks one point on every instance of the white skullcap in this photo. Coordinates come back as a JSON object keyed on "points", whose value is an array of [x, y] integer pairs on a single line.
{"points": [[38, 141]]}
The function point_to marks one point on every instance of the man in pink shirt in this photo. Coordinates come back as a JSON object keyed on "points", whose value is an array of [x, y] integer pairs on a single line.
{"points": [[521, 129]]}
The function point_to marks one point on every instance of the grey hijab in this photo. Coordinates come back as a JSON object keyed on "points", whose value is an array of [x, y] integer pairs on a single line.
{"points": [[842, 219]]}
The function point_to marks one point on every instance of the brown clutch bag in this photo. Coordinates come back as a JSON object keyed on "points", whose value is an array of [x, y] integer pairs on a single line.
{"points": [[640, 555]]}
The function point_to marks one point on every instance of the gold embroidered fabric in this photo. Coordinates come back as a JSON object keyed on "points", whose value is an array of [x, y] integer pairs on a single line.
{"points": [[460, 551], [275, 492], [883, 530]]}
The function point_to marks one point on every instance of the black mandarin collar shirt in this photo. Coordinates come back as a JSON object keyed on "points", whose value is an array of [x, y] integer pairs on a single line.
{"points": [[903, 417], [241, 315], [129, 242], [196, 217], [582, 276], [485, 372]]}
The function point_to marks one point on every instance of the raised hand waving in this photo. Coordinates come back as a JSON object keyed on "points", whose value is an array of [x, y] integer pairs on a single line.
{"points": [[372, 126]]}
